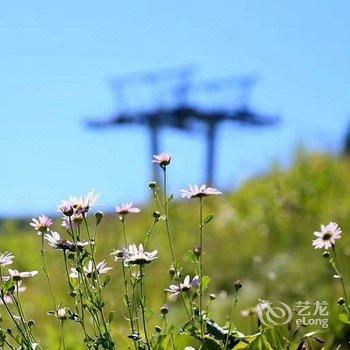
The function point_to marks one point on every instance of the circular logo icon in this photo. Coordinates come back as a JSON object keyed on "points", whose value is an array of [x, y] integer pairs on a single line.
{"points": [[273, 314]]}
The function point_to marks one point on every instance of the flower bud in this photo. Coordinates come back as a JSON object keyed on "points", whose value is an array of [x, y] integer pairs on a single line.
{"points": [[31, 323], [156, 215], [197, 251], [120, 253], [172, 271], [99, 216], [152, 185], [61, 313], [164, 310], [341, 301], [326, 254], [237, 284], [77, 218]]}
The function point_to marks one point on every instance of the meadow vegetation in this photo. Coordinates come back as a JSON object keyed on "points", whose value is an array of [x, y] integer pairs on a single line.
{"points": [[257, 247]]}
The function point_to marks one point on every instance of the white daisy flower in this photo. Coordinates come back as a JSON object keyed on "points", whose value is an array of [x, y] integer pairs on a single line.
{"points": [[90, 270], [185, 286], [119, 254], [84, 204], [18, 276], [6, 259], [66, 208], [127, 208], [197, 192], [55, 241], [41, 224], [163, 159], [137, 256], [327, 237]]}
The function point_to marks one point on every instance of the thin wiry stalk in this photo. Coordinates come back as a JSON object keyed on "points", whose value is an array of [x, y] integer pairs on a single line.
{"points": [[80, 313], [231, 318], [167, 225], [166, 209], [201, 267], [97, 279], [148, 234], [171, 334], [133, 306], [130, 307], [18, 304], [14, 321], [46, 272], [142, 301], [9, 344], [341, 278], [124, 232], [128, 303], [89, 294]]}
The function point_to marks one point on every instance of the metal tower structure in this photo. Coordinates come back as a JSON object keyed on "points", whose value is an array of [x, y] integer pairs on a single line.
{"points": [[182, 114]]}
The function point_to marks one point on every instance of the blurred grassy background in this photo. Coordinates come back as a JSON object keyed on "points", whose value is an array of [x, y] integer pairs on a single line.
{"points": [[261, 233]]}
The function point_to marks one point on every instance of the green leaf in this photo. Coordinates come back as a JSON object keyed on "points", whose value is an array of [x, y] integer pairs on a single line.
{"points": [[241, 346], [111, 316], [344, 317], [74, 283], [205, 283], [211, 344], [208, 219], [9, 285], [260, 343], [192, 257], [170, 198], [106, 281]]}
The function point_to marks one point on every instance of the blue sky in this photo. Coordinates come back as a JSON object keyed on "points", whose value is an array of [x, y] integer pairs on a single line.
{"points": [[57, 59]]}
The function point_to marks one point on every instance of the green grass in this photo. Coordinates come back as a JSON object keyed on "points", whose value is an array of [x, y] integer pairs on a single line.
{"points": [[261, 233]]}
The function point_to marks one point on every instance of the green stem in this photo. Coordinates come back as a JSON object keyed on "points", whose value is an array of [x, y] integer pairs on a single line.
{"points": [[128, 303], [81, 319], [201, 266], [95, 272], [14, 321], [148, 234], [231, 318], [46, 272], [341, 277], [18, 304], [142, 304], [133, 306], [124, 232], [167, 225], [166, 209]]}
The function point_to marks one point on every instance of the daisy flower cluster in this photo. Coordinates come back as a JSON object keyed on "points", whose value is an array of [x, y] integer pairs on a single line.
{"points": [[10, 293], [75, 209], [86, 277], [77, 242]]}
